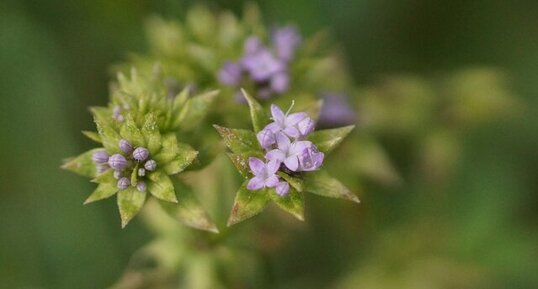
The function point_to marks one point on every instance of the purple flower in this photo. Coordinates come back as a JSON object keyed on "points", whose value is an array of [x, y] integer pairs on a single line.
{"points": [[117, 175], [150, 165], [101, 169], [280, 82], [262, 65], [252, 44], [336, 111], [264, 174], [125, 146], [288, 152], [310, 159], [285, 123], [117, 162], [230, 74], [123, 183], [141, 186], [140, 154], [100, 157], [286, 41], [266, 138], [306, 126], [282, 188]]}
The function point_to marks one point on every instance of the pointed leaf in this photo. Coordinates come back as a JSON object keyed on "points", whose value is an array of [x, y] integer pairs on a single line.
{"points": [[131, 132], [92, 135], [328, 139], [240, 161], [181, 99], [238, 140], [161, 187], [184, 158], [189, 210], [169, 149], [130, 201], [151, 133], [320, 183], [248, 204], [82, 164], [107, 187], [195, 110], [295, 182], [292, 203], [108, 135], [257, 113]]}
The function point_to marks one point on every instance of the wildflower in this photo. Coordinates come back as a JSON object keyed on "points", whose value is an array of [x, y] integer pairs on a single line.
{"points": [[140, 154], [336, 111], [123, 183], [125, 146], [150, 165], [288, 152], [285, 123], [264, 174], [230, 74], [117, 162], [310, 159], [100, 157], [262, 65], [286, 41]]}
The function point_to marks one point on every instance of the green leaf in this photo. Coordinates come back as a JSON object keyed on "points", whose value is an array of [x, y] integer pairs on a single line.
{"points": [[108, 135], [292, 203], [130, 201], [189, 210], [184, 158], [82, 164], [257, 113], [320, 183], [169, 149], [296, 183], [247, 204], [326, 140], [107, 187], [161, 187], [181, 99], [238, 140], [151, 133], [92, 135], [313, 109], [240, 161], [195, 110], [131, 132]]}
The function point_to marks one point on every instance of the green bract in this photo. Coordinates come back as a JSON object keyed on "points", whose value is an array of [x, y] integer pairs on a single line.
{"points": [[243, 144]]}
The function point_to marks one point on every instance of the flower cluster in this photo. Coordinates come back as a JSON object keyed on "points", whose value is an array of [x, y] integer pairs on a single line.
{"points": [[266, 67], [285, 148], [129, 167]]}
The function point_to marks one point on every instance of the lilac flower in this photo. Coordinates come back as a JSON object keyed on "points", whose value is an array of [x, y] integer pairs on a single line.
{"points": [[288, 152], [264, 174], [280, 82], [123, 183], [125, 146], [100, 157], [150, 165], [310, 159], [141, 186], [286, 40], [230, 74], [140, 154], [285, 123], [261, 65], [336, 111], [282, 188], [266, 138], [117, 162]]}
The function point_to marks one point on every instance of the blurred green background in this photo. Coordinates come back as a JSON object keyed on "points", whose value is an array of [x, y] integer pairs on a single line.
{"points": [[481, 226]]}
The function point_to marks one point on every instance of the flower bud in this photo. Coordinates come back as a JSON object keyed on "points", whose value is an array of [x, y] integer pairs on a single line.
{"points": [[140, 154], [141, 186], [117, 162], [141, 172], [310, 159], [100, 157], [306, 126], [101, 169], [123, 183], [125, 146], [150, 165], [117, 175]]}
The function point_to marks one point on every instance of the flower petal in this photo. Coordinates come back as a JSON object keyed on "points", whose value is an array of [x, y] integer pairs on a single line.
{"points": [[282, 188], [283, 142], [292, 131], [299, 146], [292, 163], [255, 183], [271, 181], [275, 155], [256, 165], [278, 114], [273, 166], [295, 118]]}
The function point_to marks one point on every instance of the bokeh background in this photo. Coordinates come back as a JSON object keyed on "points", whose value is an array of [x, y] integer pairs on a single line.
{"points": [[477, 229]]}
